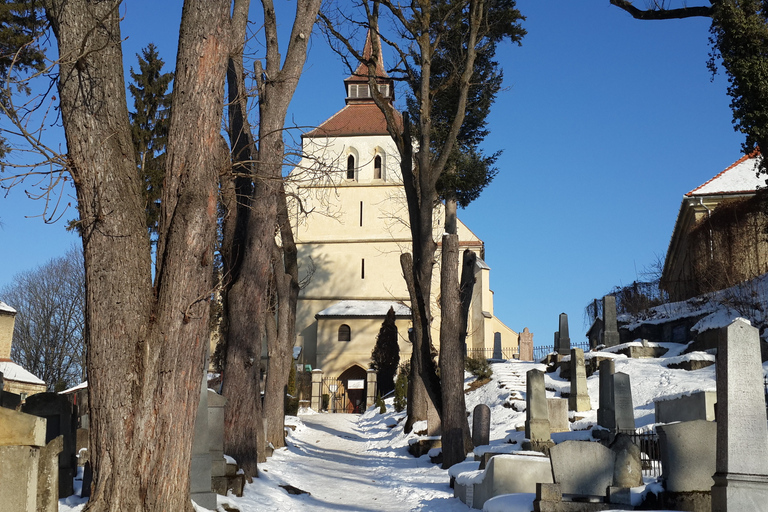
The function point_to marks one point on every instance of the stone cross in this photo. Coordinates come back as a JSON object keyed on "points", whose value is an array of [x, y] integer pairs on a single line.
{"points": [[610, 325], [526, 345], [481, 425], [563, 339], [741, 477], [605, 413], [578, 400], [537, 411]]}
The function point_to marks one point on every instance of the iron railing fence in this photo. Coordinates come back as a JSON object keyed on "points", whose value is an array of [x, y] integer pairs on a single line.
{"points": [[490, 353], [541, 351]]}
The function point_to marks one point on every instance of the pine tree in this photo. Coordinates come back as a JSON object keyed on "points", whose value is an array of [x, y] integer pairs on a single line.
{"points": [[386, 354], [149, 127]]}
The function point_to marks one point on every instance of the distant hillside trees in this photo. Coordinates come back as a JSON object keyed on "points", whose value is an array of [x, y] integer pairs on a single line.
{"points": [[386, 354], [48, 334]]}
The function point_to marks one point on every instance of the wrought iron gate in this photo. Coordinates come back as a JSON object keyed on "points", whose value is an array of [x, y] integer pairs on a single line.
{"points": [[335, 398]]}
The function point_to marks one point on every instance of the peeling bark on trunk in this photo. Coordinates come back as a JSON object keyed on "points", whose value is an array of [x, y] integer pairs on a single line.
{"points": [[146, 344]]}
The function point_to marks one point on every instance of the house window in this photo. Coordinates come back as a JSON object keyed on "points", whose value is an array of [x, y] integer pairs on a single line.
{"points": [[384, 90], [351, 167], [345, 334], [377, 167]]}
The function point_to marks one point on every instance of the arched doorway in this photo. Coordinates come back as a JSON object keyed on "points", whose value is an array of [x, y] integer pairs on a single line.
{"points": [[354, 382]]}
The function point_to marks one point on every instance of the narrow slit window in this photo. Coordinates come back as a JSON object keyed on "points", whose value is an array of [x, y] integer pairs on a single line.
{"points": [[362, 269], [351, 167], [361, 213], [377, 167]]}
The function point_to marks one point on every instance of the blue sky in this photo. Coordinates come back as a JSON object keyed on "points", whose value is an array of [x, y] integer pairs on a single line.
{"points": [[605, 122]]}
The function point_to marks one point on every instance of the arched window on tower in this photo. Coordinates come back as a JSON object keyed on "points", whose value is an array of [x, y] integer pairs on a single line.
{"points": [[377, 167], [345, 334], [351, 167]]}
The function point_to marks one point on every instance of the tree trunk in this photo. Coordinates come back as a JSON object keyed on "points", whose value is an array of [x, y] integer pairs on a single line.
{"points": [[456, 438], [146, 345]]}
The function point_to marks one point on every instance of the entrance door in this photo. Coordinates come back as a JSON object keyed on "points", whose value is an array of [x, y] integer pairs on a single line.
{"points": [[354, 379]]}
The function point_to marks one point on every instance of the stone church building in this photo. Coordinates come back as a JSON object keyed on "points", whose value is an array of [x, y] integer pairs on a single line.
{"points": [[350, 224]]}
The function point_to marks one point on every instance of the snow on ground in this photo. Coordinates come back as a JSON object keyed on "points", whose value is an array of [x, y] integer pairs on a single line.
{"points": [[360, 462]]}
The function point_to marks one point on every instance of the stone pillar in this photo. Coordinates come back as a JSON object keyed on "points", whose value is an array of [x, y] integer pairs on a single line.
{"points": [[537, 429], [200, 467], [605, 413], [610, 325], [563, 337], [526, 345], [370, 387], [317, 390], [497, 354], [481, 425], [216, 404], [741, 477], [578, 400], [7, 319]]}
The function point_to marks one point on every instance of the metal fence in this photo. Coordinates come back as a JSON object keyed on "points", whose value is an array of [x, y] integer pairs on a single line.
{"points": [[490, 353], [650, 452], [540, 352]]}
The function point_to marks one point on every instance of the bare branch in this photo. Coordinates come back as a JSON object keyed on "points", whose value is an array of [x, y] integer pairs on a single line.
{"points": [[659, 12]]}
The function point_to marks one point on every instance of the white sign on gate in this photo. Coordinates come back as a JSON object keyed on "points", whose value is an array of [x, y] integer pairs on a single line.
{"points": [[356, 384]]}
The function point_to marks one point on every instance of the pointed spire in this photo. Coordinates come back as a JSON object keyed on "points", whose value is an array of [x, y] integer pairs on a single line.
{"points": [[362, 69]]}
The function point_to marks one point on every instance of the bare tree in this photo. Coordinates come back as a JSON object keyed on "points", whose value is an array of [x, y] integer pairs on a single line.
{"points": [[255, 213], [48, 333], [146, 331]]}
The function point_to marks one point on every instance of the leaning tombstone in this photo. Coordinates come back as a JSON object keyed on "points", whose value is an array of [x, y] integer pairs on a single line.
{"points": [[48, 476], [537, 429], [57, 410], [611, 336], [200, 464], [481, 425], [578, 400], [628, 471], [741, 477], [564, 340]]}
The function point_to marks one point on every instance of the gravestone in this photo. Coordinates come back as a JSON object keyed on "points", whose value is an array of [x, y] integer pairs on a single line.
{"points": [[582, 467], [688, 455], [200, 465], [696, 406], [21, 437], [526, 345], [537, 429], [497, 353], [578, 400], [557, 343], [622, 402], [563, 339], [481, 425], [605, 413], [558, 415], [610, 325], [216, 404], [48, 476], [741, 477], [57, 410], [627, 472]]}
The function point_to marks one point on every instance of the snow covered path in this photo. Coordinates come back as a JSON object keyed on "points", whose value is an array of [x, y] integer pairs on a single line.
{"points": [[348, 463]]}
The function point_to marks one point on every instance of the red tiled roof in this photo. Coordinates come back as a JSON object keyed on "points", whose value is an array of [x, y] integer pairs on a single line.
{"points": [[355, 119]]}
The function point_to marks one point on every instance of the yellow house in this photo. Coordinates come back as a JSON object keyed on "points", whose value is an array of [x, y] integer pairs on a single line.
{"points": [[15, 378], [718, 239], [351, 225]]}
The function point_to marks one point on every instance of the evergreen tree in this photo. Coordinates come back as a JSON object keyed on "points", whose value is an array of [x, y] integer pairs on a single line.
{"points": [[21, 22], [149, 127], [386, 354]]}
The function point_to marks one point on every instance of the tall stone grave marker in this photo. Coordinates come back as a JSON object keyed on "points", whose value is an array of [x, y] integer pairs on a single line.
{"points": [[497, 353], [622, 402], [564, 340], [200, 470], [557, 343], [578, 400], [481, 425], [741, 477], [537, 429], [606, 416], [526, 345], [610, 325]]}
